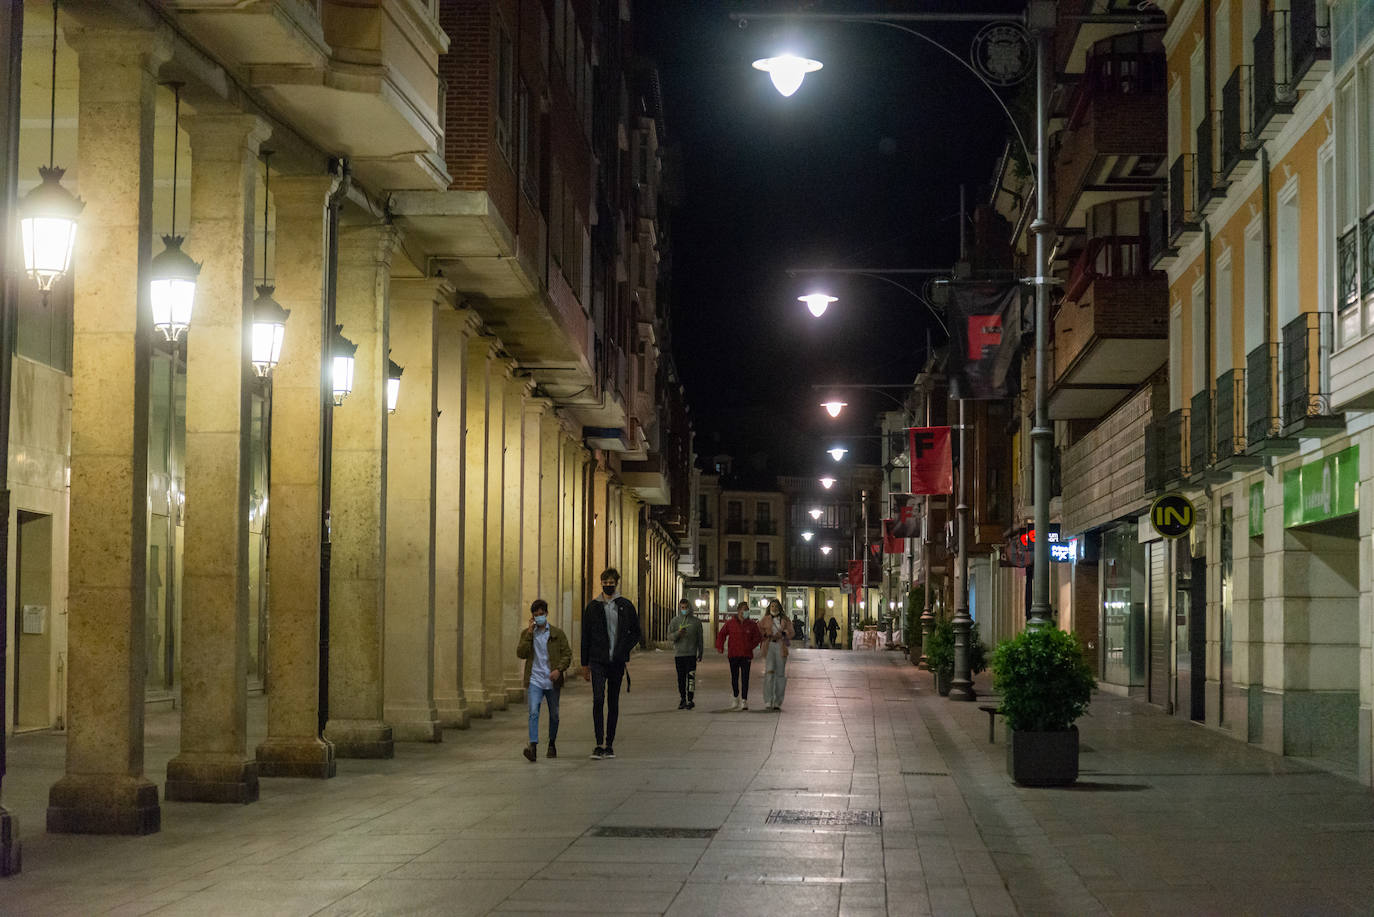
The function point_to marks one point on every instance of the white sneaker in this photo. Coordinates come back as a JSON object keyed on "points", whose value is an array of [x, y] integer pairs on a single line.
{"points": [[735, 705], [767, 706], [744, 705]]}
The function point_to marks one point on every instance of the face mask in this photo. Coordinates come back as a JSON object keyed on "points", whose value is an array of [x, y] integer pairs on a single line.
{"points": [[541, 620], [684, 612], [609, 590]]}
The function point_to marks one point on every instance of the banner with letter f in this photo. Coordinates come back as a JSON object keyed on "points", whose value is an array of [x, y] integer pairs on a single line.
{"points": [[932, 465]]}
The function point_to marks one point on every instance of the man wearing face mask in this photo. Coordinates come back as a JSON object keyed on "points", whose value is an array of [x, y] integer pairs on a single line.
{"points": [[687, 650], [548, 656], [610, 630]]}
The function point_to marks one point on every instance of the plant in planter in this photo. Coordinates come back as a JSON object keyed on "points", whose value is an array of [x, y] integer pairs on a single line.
{"points": [[939, 648], [1045, 683]]}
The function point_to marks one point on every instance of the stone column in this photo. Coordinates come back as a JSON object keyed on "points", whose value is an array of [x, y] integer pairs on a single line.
{"points": [[357, 571], [293, 747], [454, 330], [104, 790], [598, 525], [213, 765], [493, 634], [480, 352], [515, 597], [550, 514], [532, 505], [410, 505]]}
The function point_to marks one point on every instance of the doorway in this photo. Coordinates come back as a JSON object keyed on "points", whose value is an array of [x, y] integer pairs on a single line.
{"points": [[1190, 635], [33, 625]]}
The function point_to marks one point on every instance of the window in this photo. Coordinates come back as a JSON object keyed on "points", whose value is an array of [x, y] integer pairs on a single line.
{"points": [[1253, 265], [1175, 359], [528, 146], [1225, 347], [761, 552], [1286, 243], [1221, 51], [505, 90], [1199, 344]]}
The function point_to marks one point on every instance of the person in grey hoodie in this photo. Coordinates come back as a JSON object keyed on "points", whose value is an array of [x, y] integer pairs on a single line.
{"points": [[687, 650]]}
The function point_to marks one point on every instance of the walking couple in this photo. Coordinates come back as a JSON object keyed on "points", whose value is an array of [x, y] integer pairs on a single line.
{"points": [[743, 635]]}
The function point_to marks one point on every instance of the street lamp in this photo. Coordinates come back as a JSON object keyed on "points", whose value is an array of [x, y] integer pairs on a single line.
{"points": [[837, 453], [817, 302], [172, 274], [833, 407], [269, 317], [827, 482], [393, 384], [826, 549], [787, 71], [342, 351], [807, 536], [815, 513]]}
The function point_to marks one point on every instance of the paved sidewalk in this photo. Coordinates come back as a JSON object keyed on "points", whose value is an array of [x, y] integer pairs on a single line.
{"points": [[1168, 818]]}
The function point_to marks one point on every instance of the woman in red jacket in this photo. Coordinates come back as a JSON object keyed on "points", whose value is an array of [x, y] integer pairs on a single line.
{"points": [[743, 635]]}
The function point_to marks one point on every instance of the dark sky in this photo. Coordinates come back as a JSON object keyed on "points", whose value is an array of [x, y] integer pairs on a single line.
{"points": [[860, 168]]}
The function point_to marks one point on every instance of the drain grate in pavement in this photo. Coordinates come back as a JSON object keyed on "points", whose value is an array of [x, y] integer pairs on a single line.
{"points": [[925, 774], [631, 831], [842, 818]]}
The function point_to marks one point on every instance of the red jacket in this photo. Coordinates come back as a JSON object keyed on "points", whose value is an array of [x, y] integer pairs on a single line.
{"points": [[744, 637]]}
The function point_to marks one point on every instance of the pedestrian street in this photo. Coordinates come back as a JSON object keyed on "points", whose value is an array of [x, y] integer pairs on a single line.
{"points": [[867, 794]]}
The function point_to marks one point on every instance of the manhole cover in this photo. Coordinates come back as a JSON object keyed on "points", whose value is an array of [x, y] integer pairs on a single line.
{"points": [[631, 831], [842, 818]]}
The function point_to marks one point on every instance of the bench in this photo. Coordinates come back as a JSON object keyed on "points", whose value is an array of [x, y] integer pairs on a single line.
{"points": [[992, 712]]}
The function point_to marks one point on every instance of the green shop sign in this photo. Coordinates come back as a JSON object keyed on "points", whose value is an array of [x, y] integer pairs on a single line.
{"points": [[1324, 489], [1257, 509]]}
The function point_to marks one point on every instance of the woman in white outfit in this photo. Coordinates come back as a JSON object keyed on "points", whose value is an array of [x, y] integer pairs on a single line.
{"points": [[776, 628]]}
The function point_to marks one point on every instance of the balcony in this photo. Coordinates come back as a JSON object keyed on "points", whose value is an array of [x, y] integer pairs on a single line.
{"points": [[1211, 188], [765, 568], [736, 566], [1310, 41], [765, 527], [1262, 422], [1085, 23], [1114, 139], [1238, 142], [649, 479], [1183, 217], [1275, 89], [1200, 457], [1111, 332], [1162, 252], [1230, 424], [706, 521], [1175, 446], [735, 526], [1304, 389]]}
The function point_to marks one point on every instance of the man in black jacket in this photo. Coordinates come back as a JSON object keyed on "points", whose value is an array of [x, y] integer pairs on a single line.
{"points": [[610, 630]]}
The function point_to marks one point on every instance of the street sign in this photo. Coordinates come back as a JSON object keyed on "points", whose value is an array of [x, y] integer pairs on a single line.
{"points": [[1172, 515]]}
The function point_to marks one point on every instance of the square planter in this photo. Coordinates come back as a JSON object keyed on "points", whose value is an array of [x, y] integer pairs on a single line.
{"points": [[1043, 758]]}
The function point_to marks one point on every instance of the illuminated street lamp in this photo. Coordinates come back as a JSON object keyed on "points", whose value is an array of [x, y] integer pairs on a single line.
{"points": [[829, 603], [826, 549], [833, 408], [837, 453], [827, 482], [393, 384], [172, 274], [807, 536], [342, 351], [815, 512], [817, 302], [787, 72]]}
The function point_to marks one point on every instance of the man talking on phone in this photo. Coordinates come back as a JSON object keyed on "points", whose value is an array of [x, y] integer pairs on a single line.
{"points": [[610, 630]]}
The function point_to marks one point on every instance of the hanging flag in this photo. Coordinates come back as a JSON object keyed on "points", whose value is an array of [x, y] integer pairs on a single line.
{"points": [[932, 466], [905, 516], [856, 576], [892, 544], [985, 335]]}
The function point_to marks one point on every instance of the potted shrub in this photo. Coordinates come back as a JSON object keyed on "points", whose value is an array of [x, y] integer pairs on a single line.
{"points": [[1045, 684], [939, 648]]}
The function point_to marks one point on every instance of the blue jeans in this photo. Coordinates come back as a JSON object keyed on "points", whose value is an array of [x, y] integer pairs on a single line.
{"points": [[535, 695]]}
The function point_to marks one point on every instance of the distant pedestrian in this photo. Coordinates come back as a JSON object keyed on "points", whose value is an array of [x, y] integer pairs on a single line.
{"points": [[610, 630], [820, 632], [548, 656], [834, 632], [742, 635], [798, 628], [687, 651], [777, 639]]}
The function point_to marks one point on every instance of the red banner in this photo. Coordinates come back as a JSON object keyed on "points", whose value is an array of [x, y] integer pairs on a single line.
{"points": [[932, 466], [856, 576], [892, 544]]}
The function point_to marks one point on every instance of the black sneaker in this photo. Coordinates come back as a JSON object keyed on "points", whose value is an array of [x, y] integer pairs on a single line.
{"points": [[682, 705], [553, 751], [528, 752], [598, 753], [608, 752], [691, 705]]}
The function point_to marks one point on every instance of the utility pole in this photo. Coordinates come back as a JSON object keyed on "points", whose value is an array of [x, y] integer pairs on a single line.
{"points": [[961, 684]]}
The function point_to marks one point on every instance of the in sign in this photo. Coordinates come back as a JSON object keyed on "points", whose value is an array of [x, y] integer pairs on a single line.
{"points": [[1172, 515]]}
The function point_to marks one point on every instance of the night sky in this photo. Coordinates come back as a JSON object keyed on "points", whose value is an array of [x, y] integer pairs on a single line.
{"points": [[861, 167]]}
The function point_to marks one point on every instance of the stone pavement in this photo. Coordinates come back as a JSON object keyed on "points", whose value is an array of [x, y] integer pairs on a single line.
{"points": [[1168, 818]]}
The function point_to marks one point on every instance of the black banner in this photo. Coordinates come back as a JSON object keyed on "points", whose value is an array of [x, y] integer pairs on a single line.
{"points": [[985, 335]]}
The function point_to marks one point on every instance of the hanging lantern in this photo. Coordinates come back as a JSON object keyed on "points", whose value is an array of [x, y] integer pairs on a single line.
{"points": [[172, 274], [342, 350], [393, 384], [269, 328], [47, 214], [47, 221]]}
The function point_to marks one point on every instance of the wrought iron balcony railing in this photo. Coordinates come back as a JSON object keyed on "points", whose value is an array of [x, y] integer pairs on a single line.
{"points": [[1348, 267], [1306, 396], [1261, 405], [1230, 414], [734, 526], [765, 568], [1200, 456], [1274, 93], [1175, 445], [1182, 217], [1367, 254], [1310, 35], [765, 527], [736, 566], [1157, 226], [1204, 167], [1237, 129]]}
